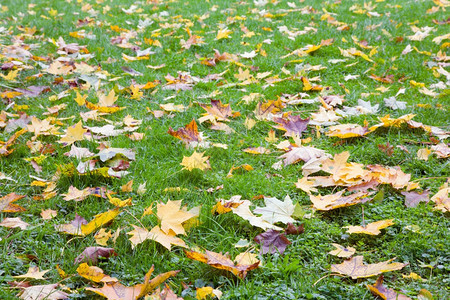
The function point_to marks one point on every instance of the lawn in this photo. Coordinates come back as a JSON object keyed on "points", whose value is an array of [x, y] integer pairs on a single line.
{"points": [[234, 142]]}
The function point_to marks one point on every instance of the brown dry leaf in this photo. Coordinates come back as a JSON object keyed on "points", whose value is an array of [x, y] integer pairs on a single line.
{"points": [[99, 220], [371, 228], [195, 161], [412, 199], [342, 251], [441, 150], [42, 292], [189, 134], [14, 223], [219, 261], [33, 273], [139, 235], [344, 172], [355, 268], [266, 111], [378, 289], [115, 291], [6, 203]]}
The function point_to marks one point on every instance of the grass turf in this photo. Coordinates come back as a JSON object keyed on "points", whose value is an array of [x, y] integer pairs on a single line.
{"points": [[301, 272]]}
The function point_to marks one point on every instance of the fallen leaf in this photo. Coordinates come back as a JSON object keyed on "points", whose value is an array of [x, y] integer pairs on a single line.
{"points": [[92, 254], [276, 211], [6, 203], [42, 292], [219, 261], [342, 251], [294, 230], [172, 217], [412, 199], [94, 274], [333, 201], [73, 227], [355, 268], [195, 161], [99, 220], [33, 273], [74, 133], [14, 223], [293, 125], [272, 241], [115, 290], [371, 228], [243, 211], [139, 235], [378, 289], [48, 214]]}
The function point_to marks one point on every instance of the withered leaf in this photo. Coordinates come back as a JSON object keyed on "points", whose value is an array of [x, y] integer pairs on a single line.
{"points": [[91, 254], [219, 261], [292, 229], [293, 125], [412, 199], [272, 241], [378, 289], [355, 268]]}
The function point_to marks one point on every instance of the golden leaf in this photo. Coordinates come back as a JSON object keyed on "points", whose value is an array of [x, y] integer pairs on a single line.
{"points": [[195, 161], [99, 220], [371, 228]]}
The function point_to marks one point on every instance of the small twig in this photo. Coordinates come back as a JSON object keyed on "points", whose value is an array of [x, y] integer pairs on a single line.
{"points": [[126, 210], [363, 221], [323, 277]]}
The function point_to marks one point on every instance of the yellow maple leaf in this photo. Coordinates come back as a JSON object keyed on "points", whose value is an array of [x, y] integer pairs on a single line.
{"points": [[136, 94], [102, 237], [99, 220], [371, 228], [94, 273], [33, 273], [73, 134], [80, 100], [223, 33], [139, 235], [11, 75], [172, 217], [195, 161], [107, 100]]}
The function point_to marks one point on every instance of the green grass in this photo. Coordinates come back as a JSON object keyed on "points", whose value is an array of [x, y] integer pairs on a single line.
{"points": [[303, 272]]}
